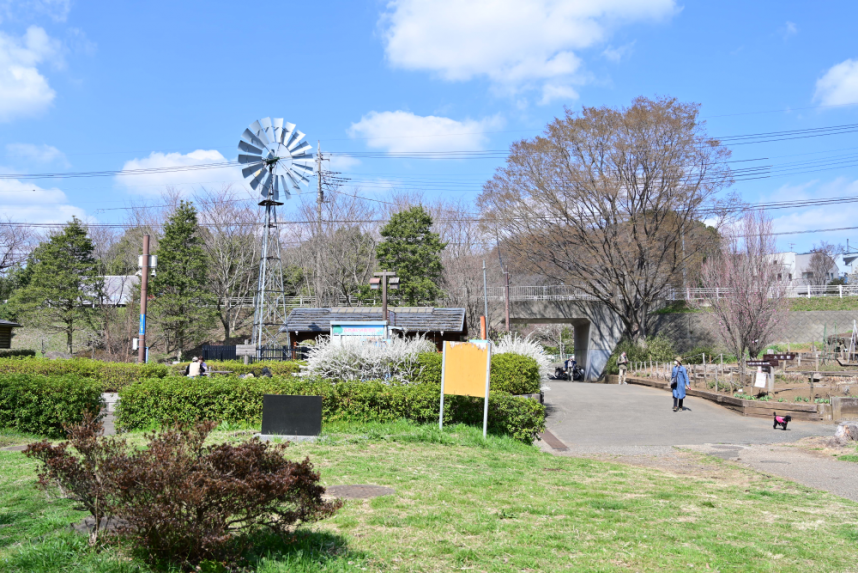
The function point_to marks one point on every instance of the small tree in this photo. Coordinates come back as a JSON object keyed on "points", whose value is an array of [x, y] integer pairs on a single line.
{"points": [[822, 268], [745, 287], [412, 250], [62, 283], [183, 307]]}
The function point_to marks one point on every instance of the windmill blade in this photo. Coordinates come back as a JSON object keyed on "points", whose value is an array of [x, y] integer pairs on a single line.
{"points": [[249, 136], [304, 163], [275, 195], [302, 169], [303, 149], [265, 185], [277, 124], [303, 154], [296, 139], [249, 158], [258, 179], [252, 170], [301, 176], [284, 187], [294, 181], [288, 128], [265, 122], [259, 131], [247, 148]]}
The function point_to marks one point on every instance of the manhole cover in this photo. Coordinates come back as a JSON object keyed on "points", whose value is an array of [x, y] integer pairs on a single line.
{"points": [[358, 491]]}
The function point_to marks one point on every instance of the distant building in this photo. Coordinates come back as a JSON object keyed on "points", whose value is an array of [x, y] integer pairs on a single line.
{"points": [[796, 269], [6, 327], [436, 324]]}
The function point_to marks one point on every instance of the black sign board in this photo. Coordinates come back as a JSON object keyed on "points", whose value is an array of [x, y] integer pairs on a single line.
{"points": [[291, 415], [773, 359], [767, 366]]}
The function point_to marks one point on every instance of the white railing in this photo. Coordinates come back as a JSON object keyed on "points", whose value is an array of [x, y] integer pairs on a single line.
{"points": [[570, 292]]}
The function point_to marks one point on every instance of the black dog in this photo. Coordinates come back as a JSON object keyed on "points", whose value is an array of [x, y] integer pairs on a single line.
{"points": [[781, 420]]}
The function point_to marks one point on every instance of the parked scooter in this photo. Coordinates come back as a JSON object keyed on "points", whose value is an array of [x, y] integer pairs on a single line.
{"points": [[561, 373]]}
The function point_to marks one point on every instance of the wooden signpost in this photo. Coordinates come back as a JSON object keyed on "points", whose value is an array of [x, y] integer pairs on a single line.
{"points": [[465, 371]]}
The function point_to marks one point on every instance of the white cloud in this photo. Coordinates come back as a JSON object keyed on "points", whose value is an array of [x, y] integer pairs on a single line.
{"points": [[619, 53], [183, 181], [342, 162], [56, 10], [24, 90], [41, 154], [517, 45], [24, 201], [839, 85], [402, 131], [789, 30]]}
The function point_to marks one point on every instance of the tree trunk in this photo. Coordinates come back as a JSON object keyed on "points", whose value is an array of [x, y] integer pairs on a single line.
{"points": [[69, 336]]}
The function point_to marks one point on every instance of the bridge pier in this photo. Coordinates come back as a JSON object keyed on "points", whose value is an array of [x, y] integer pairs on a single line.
{"points": [[597, 330]]}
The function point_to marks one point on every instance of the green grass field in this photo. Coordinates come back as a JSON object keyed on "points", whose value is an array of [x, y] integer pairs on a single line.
{"points": [[465, 504]]}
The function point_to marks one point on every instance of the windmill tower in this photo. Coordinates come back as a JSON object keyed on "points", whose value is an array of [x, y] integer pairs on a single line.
{"points": [[275, 159]]}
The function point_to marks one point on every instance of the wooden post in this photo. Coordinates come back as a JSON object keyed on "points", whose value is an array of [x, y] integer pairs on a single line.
{"points": [[483, 329], [246, 357]]}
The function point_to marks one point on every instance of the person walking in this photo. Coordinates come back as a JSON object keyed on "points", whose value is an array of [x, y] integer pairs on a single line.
{"points": [[679, 383], [623, 364]]}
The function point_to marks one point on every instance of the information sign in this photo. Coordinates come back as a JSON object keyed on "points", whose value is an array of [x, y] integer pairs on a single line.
{"points": [[465, 371], [245, 350], [373, 331]]}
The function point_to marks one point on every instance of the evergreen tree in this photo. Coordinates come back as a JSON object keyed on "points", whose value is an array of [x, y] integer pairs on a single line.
{"points": [[61, 283], [413, 251], [182, 306]]}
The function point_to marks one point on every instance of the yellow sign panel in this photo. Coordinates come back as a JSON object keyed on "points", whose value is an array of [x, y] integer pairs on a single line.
{"points": [[466, 368]]}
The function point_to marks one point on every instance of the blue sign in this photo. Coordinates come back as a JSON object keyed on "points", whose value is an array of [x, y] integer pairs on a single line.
{"points": [[142, 324]]}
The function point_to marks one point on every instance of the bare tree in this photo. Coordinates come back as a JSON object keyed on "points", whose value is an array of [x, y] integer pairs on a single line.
{"points": [[822, 269], [745, 286], [339, 260], [230, 237], [611, 200], [16, 243]]}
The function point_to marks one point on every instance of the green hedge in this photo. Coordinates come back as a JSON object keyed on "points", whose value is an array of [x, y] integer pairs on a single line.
{"points": [[511, 373], [42, 404], [168, 400], [111, 375], [17, 353], [278, 368]]}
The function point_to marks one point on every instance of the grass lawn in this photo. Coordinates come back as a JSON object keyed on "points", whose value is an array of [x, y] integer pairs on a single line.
{"points": [[465, 504]]}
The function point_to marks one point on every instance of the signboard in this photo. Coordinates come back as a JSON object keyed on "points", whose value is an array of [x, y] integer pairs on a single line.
{"points": [[764, 364], [291, 415], [365, 330], [465, 371], [245, 350], [773, 359], [762, 378]]}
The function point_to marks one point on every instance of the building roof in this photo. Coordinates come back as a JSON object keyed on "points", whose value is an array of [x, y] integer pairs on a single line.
{"points": [[8, 323], [410, 319]]}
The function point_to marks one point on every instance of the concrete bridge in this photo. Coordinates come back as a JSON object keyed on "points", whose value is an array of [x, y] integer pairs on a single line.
{"points": [[597, 330]]}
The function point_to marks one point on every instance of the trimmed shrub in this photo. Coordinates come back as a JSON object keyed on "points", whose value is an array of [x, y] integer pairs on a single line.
{"points": [[515, 374], [238, 367], [514, 344], [111, 375], [44, 404], [511, 373], [182, 400], [18, 353], [185, 502]]}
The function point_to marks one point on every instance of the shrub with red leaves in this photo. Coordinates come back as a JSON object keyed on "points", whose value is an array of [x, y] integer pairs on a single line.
{"points": [[185, 502]]}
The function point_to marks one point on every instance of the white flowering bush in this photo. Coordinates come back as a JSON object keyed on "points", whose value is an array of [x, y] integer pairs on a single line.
{"points": [[353, 359], [514, 344]]}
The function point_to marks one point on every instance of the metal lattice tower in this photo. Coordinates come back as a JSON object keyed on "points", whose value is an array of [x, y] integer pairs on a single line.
{"points": [[276, 158]]}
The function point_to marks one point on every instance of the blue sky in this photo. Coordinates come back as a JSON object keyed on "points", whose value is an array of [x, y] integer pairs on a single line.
{"points": [[88, 86]]}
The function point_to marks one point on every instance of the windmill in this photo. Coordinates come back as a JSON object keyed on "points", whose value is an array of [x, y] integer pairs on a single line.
{"points": [[275, 158]]}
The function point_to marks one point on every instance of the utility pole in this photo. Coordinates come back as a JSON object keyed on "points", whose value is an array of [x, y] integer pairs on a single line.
{"points": [[144, 287], [506, 297], [321, 196], [485, 299]]}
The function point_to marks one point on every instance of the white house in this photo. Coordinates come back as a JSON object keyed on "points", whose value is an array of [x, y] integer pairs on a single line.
{"points": [[796, 268]]}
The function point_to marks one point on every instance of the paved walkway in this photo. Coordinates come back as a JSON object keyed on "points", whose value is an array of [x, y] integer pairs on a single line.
{"points": [[636, 422]]}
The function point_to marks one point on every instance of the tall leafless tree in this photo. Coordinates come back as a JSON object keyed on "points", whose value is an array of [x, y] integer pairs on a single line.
{"points": [[611, 200], [746, 289]]}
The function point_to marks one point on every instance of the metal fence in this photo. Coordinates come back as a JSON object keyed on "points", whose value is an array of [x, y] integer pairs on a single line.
{"points": [[227, 352]]}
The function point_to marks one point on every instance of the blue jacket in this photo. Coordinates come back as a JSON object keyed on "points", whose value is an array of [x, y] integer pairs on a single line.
{"points": [[681, 376]]}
